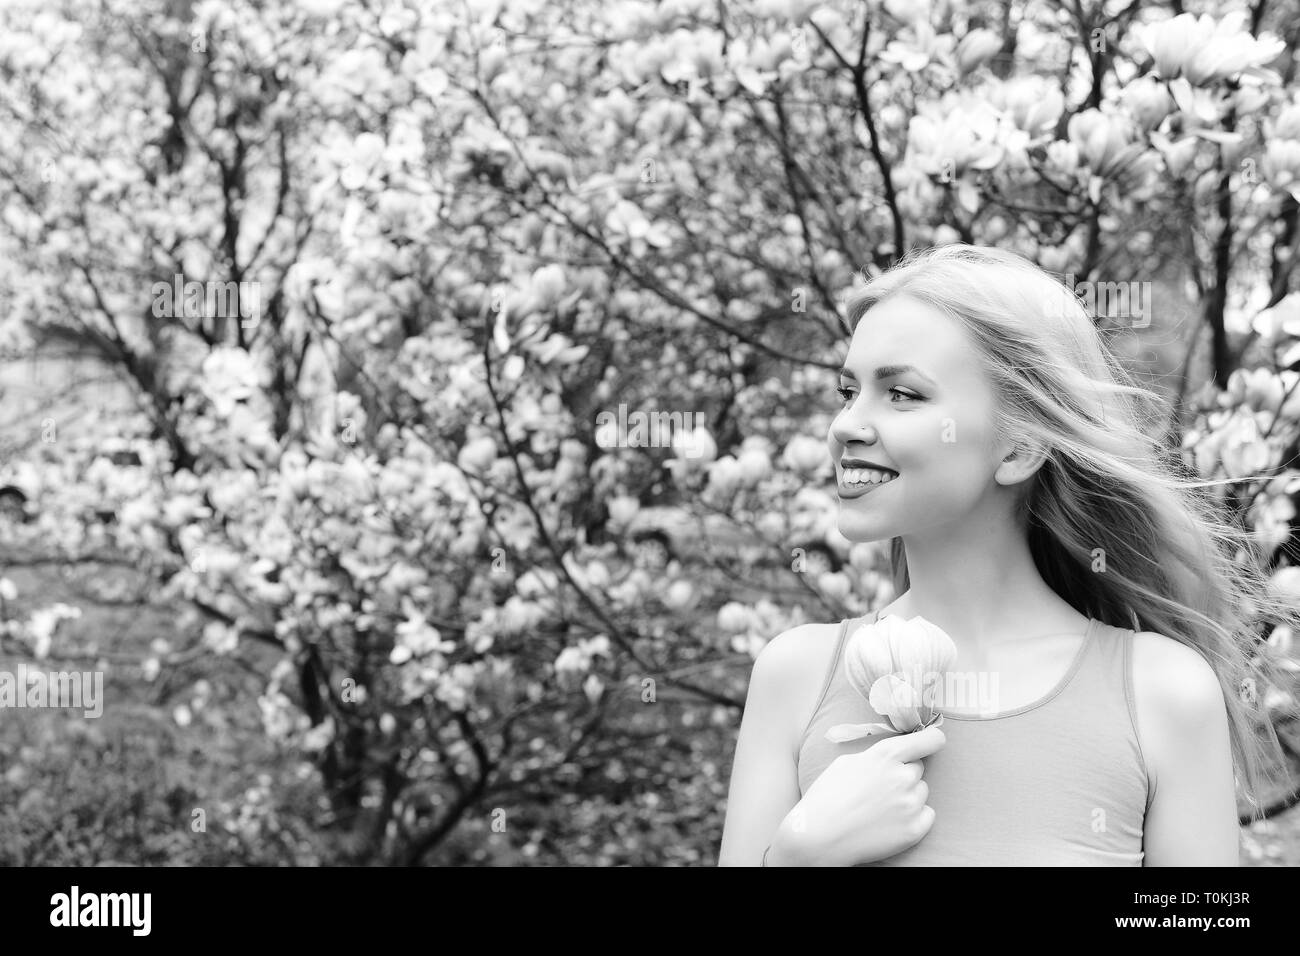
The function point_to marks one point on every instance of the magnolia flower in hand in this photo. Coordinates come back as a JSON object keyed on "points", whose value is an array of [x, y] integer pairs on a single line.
{"points": [[897, 666]]}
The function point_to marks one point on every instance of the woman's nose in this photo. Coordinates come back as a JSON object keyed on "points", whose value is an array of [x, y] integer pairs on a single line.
{"points": [[851, 425]]}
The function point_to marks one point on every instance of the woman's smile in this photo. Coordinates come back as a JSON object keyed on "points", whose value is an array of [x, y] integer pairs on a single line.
{"points": [[856, 482]]}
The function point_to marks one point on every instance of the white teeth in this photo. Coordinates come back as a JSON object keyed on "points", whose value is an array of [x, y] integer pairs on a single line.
{"points": [[858, 476]]}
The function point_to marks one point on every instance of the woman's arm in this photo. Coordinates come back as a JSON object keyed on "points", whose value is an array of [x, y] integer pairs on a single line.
{"points": [[1183, 728], [787, 674]]}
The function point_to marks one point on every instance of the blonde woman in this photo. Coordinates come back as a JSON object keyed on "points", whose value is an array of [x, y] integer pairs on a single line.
{"points": [[989, 434]]}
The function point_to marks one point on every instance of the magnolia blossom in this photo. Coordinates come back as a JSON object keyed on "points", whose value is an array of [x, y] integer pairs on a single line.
{"points": [[537, 583], [229, 376], [896, 665], [1032, 103], [976, 48], [417, 638], [1286, 125], [1108, 144], [1259, 389], [960, 136], [920, 46], [1285, 584], [754, 464], [1242, 450], [734, 617], [577, 659], [725, 476], [622, 509], [1270, 518], [43, 624], [477, 454], [1148, 101], [680, 595], [366, 152], [627, 219], [909, 11], [1204, 49], [1281, 165], [1283, 319], [805, 454], [1177, 155], [220, 638], [695, 444], [318, 737], [1202, 111], [835, 584], [456, 685]]}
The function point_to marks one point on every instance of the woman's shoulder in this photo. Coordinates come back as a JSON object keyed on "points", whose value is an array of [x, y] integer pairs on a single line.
{"points": [[801, 647], [1172, 680], [791, 669], [1179, 705]]}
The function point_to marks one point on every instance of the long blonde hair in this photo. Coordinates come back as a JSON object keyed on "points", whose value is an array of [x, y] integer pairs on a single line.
{"points": [[1117, 524]]}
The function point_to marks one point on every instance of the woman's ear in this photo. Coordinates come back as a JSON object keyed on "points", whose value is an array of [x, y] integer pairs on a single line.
{"points": [[1022, 460]]}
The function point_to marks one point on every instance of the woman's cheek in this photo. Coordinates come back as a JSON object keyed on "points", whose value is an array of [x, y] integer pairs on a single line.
{"points": [[955, 432]]}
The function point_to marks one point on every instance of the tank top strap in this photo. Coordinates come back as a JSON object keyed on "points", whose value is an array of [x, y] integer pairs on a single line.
{"points": [[831, 668], [1101, 668]]}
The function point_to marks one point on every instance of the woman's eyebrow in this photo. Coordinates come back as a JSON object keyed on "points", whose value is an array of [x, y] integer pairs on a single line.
{"points": [[889, 371]]}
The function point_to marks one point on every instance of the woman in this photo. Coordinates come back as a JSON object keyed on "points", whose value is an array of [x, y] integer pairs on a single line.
{"points": [[990, 435]]}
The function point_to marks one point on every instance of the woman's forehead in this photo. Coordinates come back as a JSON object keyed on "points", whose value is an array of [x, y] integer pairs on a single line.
{"points": [[905, 331]]}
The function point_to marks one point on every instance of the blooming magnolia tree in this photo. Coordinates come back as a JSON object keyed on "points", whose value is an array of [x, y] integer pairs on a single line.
{"points": [[375, 270]]}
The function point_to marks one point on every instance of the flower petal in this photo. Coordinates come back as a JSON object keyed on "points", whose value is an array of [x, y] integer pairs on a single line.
{"points": [[868, 657], [897, 701]]}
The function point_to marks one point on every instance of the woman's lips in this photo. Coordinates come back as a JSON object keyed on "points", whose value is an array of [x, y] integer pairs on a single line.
{"points": [[859, 489]]}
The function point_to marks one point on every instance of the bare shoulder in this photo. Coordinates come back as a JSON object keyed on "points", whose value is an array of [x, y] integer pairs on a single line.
{"points": [[789, 671], [1185, 737], [800, 645], [1174, 685]]}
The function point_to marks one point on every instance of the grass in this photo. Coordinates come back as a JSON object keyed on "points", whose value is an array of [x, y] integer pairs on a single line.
{"points": [[176, 771]]}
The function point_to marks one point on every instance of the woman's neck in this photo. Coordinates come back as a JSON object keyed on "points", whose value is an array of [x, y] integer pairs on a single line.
{"points": [[980, 584]]}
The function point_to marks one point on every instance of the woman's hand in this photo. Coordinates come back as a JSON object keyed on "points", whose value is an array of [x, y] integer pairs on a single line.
{"points": [[865, 806]]}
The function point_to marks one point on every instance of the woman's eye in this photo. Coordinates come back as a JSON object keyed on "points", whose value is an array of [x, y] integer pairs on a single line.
{"points": [[846, 394]]}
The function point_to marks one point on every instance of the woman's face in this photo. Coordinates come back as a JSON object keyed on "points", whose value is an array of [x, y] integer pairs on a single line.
{"points": [[931, 424]]}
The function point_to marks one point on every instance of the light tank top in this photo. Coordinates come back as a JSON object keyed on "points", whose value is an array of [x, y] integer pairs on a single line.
{"points": [[1058, 782]]}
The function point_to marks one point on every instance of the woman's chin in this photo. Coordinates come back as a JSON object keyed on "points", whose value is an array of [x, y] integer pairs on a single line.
{"points": [[862, 529]]}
